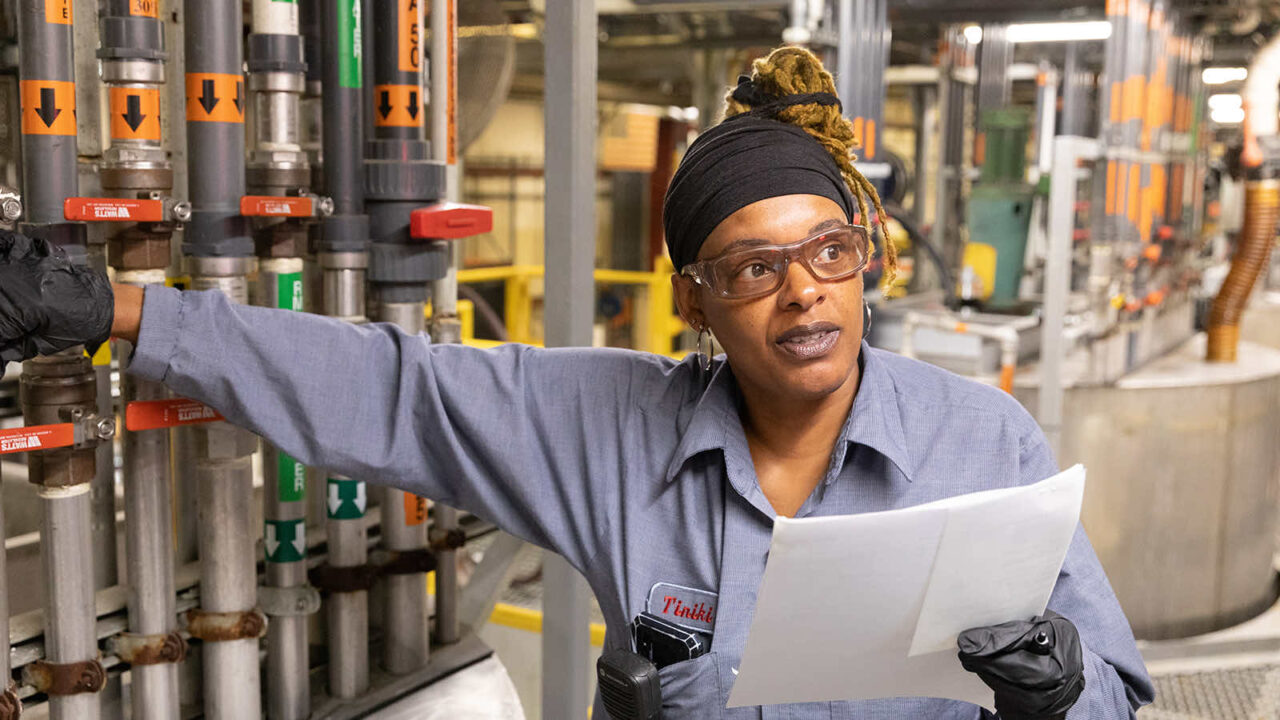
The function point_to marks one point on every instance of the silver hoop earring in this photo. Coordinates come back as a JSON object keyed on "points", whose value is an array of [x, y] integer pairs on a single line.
{"points": [[704, 357]]}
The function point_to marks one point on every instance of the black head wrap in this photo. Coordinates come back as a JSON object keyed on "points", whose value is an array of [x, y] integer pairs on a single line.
{"points": [[745, 159]]}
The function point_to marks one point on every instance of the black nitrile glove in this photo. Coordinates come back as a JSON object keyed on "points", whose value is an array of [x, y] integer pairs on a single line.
{"points": [[46, 303], [1035, 667]]}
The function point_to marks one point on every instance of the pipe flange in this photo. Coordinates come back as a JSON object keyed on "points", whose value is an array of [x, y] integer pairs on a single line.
{"points": [[57, 679], [163, 649], [226, 626], [344, 260], [297, 601], [132, 70], [355, 578]]}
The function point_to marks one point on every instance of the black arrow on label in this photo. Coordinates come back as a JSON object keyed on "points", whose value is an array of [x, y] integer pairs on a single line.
{"points": [[133, 116], [208, 100], [385, 108], [48, 110], [239, 96], [413, 104]]}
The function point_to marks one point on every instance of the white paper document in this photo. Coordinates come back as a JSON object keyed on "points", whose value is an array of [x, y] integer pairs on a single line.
{"points": [[858, 607]]}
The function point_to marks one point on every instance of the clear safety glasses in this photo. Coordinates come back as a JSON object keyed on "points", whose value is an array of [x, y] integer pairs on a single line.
{"points": [[829, 255]]}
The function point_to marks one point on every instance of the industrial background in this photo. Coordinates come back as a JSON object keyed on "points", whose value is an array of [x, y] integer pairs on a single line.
{"points": [[1086, 197]]}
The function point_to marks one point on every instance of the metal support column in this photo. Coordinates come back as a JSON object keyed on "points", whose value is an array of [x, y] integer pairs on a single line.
{"points": [[399, 178], [570, 231], [344, 259], [219, 254], [59, 388]]}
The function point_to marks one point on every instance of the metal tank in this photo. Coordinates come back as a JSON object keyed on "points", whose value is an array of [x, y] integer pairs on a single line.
{"points": [[1181, 499]]}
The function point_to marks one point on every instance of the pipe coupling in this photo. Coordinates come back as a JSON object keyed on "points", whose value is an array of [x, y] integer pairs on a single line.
{"points": [[226, 626], [160, 649], [87, 676]]}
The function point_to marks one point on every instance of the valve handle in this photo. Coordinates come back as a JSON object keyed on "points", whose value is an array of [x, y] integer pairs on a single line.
{"points": [[37, 437], [157, 414], [272, 206], [88, 209], [450, 221]]}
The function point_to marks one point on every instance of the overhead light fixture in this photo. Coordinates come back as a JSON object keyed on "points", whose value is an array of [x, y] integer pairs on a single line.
{"points": [[1223, 75], [1225, 101], [973, 33], [1058, 31], [1227, 115]]}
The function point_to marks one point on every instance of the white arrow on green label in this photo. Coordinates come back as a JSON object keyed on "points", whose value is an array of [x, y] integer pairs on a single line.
{"points": [[347, 499], [285, 540]]}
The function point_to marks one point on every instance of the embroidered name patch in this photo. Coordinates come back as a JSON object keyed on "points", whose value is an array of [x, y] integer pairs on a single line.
{"points": [[685, 606]]}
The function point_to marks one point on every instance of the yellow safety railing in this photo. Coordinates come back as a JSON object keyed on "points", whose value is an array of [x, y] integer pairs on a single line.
{"points": [[654, 329]]}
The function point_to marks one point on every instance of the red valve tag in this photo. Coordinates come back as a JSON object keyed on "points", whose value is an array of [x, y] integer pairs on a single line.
{"points": [[39, 437], [268, 206], [113, 210], [156, 414], [450, 221]]}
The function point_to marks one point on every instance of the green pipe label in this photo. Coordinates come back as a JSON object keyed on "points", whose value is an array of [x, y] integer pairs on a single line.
{"points": [[292, 477], [350, 47], [347, 499], [289, 291], [285, 540]]}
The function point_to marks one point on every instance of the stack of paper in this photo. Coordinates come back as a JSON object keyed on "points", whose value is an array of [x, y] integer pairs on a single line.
{"points": [[869, 606]]}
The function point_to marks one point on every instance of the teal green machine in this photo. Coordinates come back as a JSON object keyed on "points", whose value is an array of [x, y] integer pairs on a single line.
{"points": [[999, 209]]}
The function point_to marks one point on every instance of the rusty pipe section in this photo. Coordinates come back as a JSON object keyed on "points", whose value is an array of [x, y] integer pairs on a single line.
{"points": [[1253, 252]]}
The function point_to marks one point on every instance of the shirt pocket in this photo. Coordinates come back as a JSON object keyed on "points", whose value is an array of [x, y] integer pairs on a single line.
{"points": [[691, 689]]}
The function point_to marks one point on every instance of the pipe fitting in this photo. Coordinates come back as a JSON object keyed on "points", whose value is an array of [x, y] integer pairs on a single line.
{"points": [[160, 649]]}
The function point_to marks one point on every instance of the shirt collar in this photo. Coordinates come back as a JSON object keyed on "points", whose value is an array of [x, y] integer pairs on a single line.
{"points": [[875, 420]]}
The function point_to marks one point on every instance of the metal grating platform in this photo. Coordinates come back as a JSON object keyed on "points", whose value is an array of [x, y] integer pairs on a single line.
{"points": [[1242, 693]]}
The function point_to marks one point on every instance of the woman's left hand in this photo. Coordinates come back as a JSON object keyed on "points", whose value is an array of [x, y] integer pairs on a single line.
{"points": [[1035, 667]]}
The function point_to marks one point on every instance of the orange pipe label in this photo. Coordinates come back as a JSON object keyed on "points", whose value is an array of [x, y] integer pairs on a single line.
{"points": [[857, 133], [135, 113], [1132, 187], [215, 97], [157, 414], [871, 139], [145, 8], [1111, 187], [57, 12], [48, 107], [410, 35], [415, 509], [40, 437], [397, 106]]}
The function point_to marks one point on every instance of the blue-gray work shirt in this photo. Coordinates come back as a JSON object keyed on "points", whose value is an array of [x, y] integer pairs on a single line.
{"points": [[633, 466]]}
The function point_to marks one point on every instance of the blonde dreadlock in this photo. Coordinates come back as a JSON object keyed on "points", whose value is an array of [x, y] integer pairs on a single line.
{"points": [[796, 71]]}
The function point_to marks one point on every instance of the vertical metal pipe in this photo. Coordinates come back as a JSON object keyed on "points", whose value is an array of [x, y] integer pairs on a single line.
{"points": [[63, 382], [70, 632], [148, 538], [445, 326], [404, 529], [220, 252], [280, 284], [227, 577], [344, 260], [570, 231], [9, 701], [399, 178]]}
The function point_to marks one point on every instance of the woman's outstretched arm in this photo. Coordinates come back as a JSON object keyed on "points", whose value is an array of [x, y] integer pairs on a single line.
{"points": [[533, 440]]}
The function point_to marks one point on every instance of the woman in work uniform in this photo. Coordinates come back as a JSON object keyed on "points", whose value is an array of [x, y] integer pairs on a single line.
{"points": [[657, 478]]}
